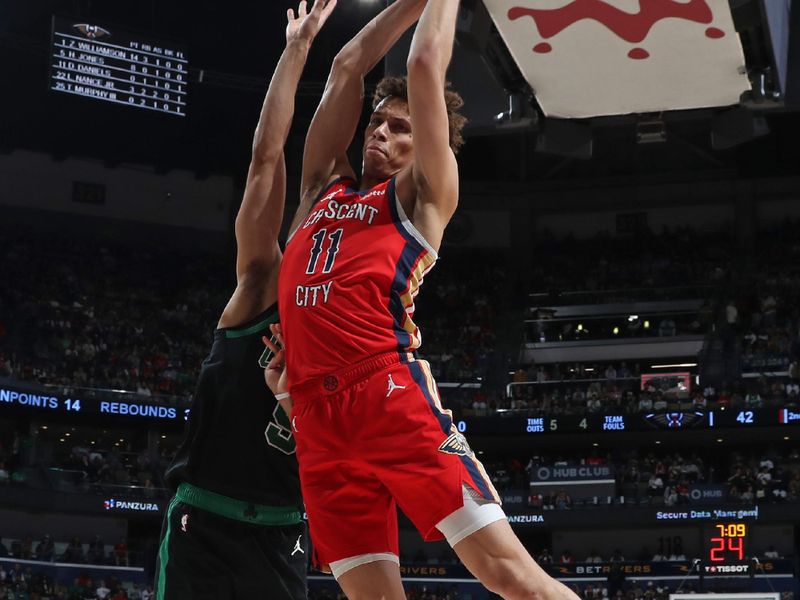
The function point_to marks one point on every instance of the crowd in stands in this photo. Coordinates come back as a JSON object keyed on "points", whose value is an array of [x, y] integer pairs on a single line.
{"points": [[663, 479], [457, 312], [74, 551], [764, 479], [107, 315], [111, 467], [84, 459], [627, 265], [18, 582], [413, 592], [99, 315], [620, 590], [764, 311], [541, 390]]}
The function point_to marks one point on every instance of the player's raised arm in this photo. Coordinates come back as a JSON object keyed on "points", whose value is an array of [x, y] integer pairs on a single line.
{"points": [[434, 174], [259, 220], [337, 115]]}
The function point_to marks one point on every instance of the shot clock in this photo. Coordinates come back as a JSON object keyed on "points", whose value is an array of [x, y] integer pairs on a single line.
{"points": [[727, 551], [727, 543]]}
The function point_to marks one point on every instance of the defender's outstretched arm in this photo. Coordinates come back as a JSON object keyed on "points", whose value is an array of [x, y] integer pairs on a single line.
{"points": [[259, 219]]}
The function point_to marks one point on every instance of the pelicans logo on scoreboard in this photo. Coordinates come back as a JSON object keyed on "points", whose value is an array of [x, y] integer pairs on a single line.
{"points": [[675, 420], [92, 32]]}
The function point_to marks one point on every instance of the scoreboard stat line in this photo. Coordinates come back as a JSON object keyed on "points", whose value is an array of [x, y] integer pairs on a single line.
{"points": [[128, 71]]}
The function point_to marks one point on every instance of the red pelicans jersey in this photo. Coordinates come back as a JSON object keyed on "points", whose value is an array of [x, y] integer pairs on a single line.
{"points": [[348, 281]]}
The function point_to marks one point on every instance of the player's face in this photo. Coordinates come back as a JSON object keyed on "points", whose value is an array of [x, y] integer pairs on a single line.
{"points": [[388, 143]]}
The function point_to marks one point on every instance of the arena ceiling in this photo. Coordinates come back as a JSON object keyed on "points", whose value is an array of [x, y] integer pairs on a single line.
{"points": [[236, 44]]}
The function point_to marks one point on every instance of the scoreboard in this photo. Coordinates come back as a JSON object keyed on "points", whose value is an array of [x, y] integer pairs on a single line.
{"points": [[111, 65], [673, 421]]}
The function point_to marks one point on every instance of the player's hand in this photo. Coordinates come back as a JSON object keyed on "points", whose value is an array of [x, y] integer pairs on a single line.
{"points": [[275, 371], [306, 25]]}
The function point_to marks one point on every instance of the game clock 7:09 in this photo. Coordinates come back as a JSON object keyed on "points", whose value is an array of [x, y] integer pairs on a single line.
{"points": [[727, 543]]}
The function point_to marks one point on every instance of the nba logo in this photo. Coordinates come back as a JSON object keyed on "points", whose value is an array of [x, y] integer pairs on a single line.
{"points": [[109, 504]]}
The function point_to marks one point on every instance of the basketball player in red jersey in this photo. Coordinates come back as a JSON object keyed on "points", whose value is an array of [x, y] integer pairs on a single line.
{"points": [[370, 428]]}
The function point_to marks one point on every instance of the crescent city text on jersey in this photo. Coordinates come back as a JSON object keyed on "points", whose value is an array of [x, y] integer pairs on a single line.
{"points": [[339, 212], [313, 295]]}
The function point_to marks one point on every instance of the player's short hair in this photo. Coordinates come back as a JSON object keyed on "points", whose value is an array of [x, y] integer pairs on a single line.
{"points": [[397, 87]]}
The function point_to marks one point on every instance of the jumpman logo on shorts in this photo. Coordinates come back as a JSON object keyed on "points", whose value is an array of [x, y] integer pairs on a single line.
{"points": [[297, 547], [393, 386]]}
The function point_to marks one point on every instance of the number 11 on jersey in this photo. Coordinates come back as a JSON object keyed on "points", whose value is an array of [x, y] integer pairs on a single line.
{"points": [[330, 256]]}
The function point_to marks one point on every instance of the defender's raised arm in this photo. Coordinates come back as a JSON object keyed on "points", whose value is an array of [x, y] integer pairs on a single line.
{"points": [[261, 213]]}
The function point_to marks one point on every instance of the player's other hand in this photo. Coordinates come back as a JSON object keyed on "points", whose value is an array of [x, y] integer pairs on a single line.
{"points": [[275, 371], [306, 25]]}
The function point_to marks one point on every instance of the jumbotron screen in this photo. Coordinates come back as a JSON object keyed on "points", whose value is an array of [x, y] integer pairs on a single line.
{"points": [[111, 65]]}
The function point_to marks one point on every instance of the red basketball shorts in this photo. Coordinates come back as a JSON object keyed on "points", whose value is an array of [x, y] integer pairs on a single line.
{"points": [[369, 439]]}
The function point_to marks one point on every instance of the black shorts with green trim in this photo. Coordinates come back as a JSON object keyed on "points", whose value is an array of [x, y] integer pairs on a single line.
{"points": [[206, 556]]}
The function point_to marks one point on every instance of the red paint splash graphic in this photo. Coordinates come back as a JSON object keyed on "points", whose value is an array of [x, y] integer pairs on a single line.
{"points": [[631, 27]]}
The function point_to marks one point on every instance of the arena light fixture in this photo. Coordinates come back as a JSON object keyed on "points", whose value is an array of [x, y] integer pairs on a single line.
{"points": [[651, 130], [674, 366]]}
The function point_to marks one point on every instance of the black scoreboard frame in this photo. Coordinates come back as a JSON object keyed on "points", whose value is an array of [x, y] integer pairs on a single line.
{"points": [[134, 70]]}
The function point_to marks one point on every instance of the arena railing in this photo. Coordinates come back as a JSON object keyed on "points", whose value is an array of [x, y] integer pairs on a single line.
{"points": [[73, 481], [625, 294]]}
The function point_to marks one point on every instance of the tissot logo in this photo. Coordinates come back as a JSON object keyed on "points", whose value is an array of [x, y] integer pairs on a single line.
{"points": [[713, 569], [113, 504]]}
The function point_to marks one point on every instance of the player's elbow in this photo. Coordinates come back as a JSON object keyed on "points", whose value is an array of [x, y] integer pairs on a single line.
{"points": [[426, 61], [265, 155], [346, 64]]}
